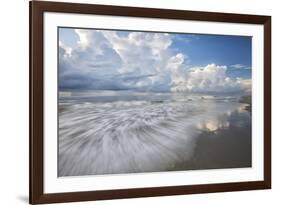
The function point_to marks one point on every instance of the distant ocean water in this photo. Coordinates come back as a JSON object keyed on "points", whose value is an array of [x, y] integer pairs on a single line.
{"points": [[114, 132]]}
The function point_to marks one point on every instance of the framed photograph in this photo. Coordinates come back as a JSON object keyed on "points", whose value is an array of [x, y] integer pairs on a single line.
{"points": [[138, 102]]}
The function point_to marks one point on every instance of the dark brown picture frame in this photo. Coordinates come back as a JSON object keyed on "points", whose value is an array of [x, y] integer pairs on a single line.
{"points": [[37, 8]]}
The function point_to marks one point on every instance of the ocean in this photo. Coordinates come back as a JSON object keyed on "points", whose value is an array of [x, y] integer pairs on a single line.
{"points": [[122, 132]]}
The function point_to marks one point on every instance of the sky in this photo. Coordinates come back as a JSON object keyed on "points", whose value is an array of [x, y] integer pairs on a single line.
{"points": [[156, 62]]}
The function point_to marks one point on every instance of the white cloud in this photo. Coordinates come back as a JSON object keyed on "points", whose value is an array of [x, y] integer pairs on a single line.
{"points": [[142, 53], [240, 66], [245, 84], [137, 60], [92, 62], [67, 50], [211, 78]]}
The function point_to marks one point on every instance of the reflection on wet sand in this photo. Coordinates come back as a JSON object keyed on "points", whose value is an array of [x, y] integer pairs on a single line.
{"points": [[225, 142], [167, 134], [212, 125], [222, 121]]}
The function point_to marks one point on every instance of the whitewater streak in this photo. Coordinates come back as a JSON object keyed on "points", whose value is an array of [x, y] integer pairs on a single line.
{"points": [[109, 135]]}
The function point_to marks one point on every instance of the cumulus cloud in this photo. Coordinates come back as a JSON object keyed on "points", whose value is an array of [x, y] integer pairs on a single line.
{"points": [[137, 60], [107, 60], [211, 78], [239, 66]]}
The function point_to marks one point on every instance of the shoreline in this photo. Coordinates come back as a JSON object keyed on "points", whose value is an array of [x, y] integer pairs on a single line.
{"points": [[247, 99]]}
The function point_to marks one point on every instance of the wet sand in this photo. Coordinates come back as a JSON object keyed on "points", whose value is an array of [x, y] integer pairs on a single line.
{"points": [[225, 148]]}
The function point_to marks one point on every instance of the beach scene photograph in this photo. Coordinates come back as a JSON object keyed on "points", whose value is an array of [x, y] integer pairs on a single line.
{"points": [[143, 101]]}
